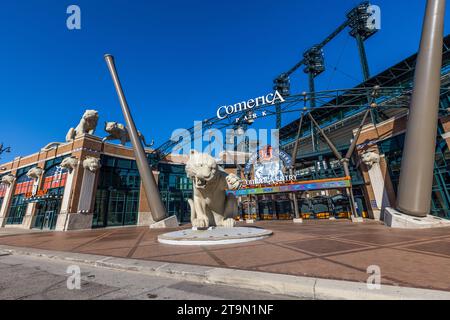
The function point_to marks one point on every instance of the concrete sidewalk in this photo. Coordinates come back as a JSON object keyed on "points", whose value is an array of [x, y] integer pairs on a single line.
{"points": [[287, 285], [25, 277], [334, 250]]}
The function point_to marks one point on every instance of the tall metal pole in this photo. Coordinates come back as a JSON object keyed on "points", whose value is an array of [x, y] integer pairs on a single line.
{"points": [[363, 56], [148, 180], [365, 69], [294, 161], [416, 177], [312, 90], [278, 117]]}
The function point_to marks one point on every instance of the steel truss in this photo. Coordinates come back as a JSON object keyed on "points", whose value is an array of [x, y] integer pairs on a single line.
{"points": [[328, 102]]}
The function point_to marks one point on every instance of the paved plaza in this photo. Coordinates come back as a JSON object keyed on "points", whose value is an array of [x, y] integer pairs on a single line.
{"points": [[339, 250]]}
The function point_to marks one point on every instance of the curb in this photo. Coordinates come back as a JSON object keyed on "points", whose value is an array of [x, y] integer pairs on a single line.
{"points": [[294, 286]]}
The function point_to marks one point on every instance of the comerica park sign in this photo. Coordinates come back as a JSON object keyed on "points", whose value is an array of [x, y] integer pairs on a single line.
{"points": [[269, 99]]}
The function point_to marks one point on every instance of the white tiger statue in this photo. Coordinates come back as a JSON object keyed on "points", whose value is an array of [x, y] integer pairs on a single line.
{"points": [[8, 179], [118, 131], [35, 173], [69, 163], [92, 164], [210, 205], [88, 124], [369, 158]]}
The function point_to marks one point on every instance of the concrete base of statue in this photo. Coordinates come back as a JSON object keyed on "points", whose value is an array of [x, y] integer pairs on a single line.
{"points": [[396, 219], [213, 236], [170, 222], [298, 220]]}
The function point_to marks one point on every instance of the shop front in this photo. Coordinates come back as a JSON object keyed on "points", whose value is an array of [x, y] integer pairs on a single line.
{"points": [[19, 203], [175, 189], [269, 191], [117, 195], [48, 200]]}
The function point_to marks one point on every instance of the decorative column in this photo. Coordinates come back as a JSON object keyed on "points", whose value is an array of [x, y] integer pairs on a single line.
{"points": [[36, 174], [70, 163], [82, 218], [10, 181], [90, 165], [372, 161]]}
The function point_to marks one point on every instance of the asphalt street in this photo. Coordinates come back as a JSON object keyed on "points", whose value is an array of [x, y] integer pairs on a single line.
{"points": [[26, 277]]}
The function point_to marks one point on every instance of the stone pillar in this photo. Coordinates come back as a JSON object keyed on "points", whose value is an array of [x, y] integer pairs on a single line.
{"points": [[70, 165], [372, 161], [79, 209], [36, 174], [30, 217], [11, 182], [87, 189]]}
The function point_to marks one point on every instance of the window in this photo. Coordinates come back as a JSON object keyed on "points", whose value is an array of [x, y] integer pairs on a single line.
{"points": [[18, 206], [54, 177], [393, 150], [175, 188], [117, 196], [3, 188]]}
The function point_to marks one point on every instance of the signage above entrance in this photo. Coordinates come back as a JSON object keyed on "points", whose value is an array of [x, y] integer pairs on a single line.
{"points": [[337, 183], [269, 99], [268, 165]]}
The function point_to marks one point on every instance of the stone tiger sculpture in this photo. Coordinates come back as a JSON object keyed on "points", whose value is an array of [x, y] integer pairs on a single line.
{"points": [[118, 131], [210, 205], [35, 173], [369, 158], [69, 163], [92, 164], [88, 124], [8, 179]]}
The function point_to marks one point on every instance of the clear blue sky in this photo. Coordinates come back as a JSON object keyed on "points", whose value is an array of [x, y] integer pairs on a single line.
{"points": [[178, 60]]}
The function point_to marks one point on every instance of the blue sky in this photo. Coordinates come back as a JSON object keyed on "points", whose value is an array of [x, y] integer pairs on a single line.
{"points": [[178, 60]]}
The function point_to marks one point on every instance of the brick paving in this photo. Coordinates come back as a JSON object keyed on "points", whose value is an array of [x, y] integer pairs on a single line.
{"points": [[326, 249]]}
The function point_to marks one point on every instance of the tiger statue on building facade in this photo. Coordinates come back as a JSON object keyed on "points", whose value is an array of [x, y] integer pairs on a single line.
{"points": [[118, 131], [87, 124]]}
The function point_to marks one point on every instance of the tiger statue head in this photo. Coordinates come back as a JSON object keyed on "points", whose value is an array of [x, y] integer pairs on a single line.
{"points": [[111, 126], [90, 118], [202, 169], [69, 163], [8, 179], [92, 164], [35, 173]]}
